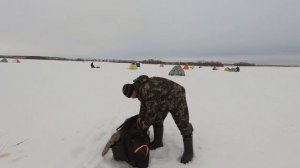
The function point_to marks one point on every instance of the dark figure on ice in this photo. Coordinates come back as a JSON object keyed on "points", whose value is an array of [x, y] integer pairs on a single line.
{"points": [[92, 65], [238, 69], [158, 97]]}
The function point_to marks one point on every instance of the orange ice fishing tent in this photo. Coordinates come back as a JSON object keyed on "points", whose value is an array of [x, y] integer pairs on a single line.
{"points": [[186, 67]]}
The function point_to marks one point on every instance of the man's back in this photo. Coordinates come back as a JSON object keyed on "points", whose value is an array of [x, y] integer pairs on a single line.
{"points": [[157, 88]]}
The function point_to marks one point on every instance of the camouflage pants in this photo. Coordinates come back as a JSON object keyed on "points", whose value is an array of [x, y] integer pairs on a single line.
{"points": [[180, 114]]}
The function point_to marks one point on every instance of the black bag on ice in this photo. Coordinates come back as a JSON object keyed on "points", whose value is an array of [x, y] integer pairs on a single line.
{"points": [[133, 145]]}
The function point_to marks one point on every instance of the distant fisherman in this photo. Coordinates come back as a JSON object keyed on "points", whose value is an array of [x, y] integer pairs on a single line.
{"points": [[92, 65], [158, 96]]}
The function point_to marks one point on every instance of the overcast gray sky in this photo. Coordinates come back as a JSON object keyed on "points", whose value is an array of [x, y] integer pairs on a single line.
{"points": [[259, 31]]}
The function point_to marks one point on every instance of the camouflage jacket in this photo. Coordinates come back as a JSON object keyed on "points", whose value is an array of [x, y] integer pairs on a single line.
{"points": [[157, 96]]}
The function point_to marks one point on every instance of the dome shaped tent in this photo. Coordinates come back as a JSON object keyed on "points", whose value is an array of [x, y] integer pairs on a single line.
{"points": [[231, 69], [16, 61], [4, 60], [133, 66], [138, 64], [226, 69], [186, 67], [177, 71]]}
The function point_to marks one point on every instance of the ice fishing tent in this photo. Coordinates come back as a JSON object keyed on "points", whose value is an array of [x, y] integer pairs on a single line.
{"points": [[177, 71], [192, 66], [16, 61], [215, 68], [231, 69], [132, 66], [138, 64], [186, 67], [4, 60]]}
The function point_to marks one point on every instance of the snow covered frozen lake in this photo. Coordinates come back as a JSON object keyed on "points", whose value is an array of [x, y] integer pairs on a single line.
{"points": [[60, 114]]}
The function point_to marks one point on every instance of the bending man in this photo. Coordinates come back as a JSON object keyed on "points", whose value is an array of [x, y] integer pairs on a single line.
{"points": [[158, 97]]}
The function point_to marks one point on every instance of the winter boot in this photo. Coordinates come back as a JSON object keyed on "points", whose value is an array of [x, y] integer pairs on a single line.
{"points": [[188, 149], [158, 135]]}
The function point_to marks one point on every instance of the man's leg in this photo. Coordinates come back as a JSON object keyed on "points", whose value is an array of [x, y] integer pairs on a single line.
{"points": [[181, 117], [158, 129]]}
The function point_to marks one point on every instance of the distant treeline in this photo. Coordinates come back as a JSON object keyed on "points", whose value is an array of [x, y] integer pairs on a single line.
{"points": [[36, 57], [152, 61], [149, 61], [196, 63]]}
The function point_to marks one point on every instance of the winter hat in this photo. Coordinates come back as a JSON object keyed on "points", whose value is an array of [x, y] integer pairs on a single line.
{"points": [[128, 89]]}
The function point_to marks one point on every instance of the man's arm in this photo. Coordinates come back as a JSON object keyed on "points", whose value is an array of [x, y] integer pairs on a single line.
{"points": [[143, 110], [142, 116], [150, 113]]}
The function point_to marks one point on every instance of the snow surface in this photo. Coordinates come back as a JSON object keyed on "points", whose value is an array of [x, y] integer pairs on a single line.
{"points": [[57, 114]]}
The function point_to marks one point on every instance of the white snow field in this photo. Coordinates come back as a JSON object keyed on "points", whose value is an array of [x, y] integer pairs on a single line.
{"points": [[60, 114]]}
